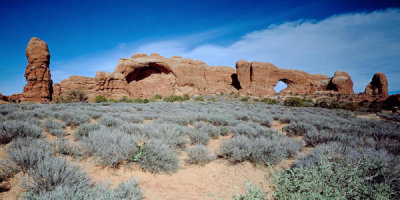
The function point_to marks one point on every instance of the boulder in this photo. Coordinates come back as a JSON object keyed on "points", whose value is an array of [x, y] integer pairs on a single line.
{"points": [[37, 73], [341, 83], [378, 85]]}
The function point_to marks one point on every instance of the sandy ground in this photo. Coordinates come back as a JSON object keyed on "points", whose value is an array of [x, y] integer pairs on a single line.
{"points": [[216, 180], [13, 188], [277, 125], [370, 116]]}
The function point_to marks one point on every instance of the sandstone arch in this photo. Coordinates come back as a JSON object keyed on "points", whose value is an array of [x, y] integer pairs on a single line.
{"points": [[147, 70]]}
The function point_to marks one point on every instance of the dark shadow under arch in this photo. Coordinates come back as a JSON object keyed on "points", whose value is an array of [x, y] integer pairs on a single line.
{"points": [[144, 72]]}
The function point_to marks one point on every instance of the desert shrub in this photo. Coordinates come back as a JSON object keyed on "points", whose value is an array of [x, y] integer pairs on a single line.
{"points": [[73, 119], [52, 172], [58, 132], [237, 149], [18, 129], [110, 121], [26, 153], [211, 130], [262, 120], [393, 116], [112, 147], [298, 128], [346, 181], [294, 102], [83, 130], [158, 157], [100, 99], [251, 129], [334, 105], [198, 98], [131, 118], [125, 190], [224, 130], [173, 98], [270, 101], [186, 97], [171, 134], [132, 129], [73, 96], [253, 192], [112, 100], [350, 106], [261, 150], [125, 99], [264, 151], [244, 99], [315, 137], [199, 154], [199, 137], [50, 124], [157, 96], [95, 115]]}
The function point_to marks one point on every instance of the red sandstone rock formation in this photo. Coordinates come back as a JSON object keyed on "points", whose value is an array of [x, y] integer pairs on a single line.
{"points": [[259, 79], [154, 74], [341, 82], [111, 85], [378, 85], [145, 76], [16, 98], [37, 73], [82, 83]]}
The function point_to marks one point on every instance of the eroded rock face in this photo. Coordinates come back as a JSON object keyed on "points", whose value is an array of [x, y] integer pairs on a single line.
{"points": [[147, 76], [37, 73], [260, 79], [378, 85], [341, 82], [111, 85], [82, 83]]}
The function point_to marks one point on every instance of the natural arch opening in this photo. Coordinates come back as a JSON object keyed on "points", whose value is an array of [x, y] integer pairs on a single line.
{"points": [[331, 86], [235, 82], [144, 72], [280, 86]]}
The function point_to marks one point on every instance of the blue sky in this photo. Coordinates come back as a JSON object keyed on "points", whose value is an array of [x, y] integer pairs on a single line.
{"points": [[360, 37]]}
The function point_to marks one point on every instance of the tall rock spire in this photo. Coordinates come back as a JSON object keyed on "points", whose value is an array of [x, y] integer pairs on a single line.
{"points": [[39, 84]]}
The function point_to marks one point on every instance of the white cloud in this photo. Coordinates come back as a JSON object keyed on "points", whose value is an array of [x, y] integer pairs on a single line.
{"points": [[359, 43]]}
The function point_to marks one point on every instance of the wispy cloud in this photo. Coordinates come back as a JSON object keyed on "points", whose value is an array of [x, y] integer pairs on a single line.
{"points": [[359, 43]]}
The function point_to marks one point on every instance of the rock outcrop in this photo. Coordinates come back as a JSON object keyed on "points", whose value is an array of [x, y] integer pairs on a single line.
{"points": [[37, 73], [260, 79], [82, 83], [154, 74], [341, 82], [112, 85], [145, 76], [378, 85]]}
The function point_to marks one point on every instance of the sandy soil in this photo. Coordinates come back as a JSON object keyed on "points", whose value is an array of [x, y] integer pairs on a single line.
{"points": [[216, 180], [277, 125], [2, 151], [13, 187], [370, 116]]}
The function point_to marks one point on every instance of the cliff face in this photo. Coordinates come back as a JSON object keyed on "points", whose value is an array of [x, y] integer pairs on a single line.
{"points": [[147, 75]]}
